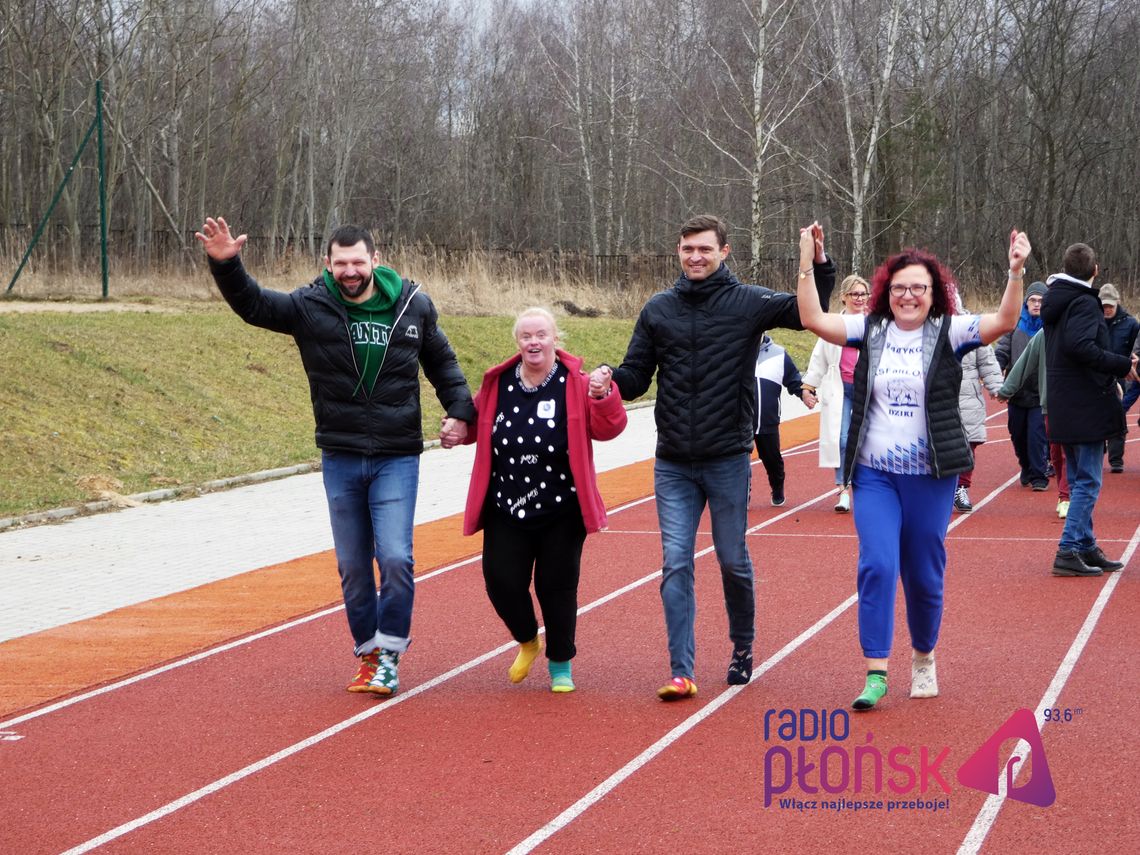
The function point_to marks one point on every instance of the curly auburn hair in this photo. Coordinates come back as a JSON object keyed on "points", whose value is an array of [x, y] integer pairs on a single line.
{"points": [[940, 291]]}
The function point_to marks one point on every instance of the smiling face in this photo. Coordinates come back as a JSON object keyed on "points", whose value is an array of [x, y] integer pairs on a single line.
{"points": [[855, 300], [909, 308], [701, 254], [351, 269], [536, 338]]}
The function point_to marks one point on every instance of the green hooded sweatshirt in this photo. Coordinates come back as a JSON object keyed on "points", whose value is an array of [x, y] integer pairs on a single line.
{"points": [[370, 322]]}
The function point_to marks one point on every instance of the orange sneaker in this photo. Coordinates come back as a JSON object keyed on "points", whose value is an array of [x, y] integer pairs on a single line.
{"points": [[677, 688], [368, 665]]}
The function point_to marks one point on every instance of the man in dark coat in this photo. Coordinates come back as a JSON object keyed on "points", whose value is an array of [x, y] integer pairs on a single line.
{"points": [[701, 338], [1081, 375], [363, 333], [1122, 329]]}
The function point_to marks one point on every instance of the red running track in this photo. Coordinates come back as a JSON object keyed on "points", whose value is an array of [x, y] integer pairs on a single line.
{"points": [[259, 749]]}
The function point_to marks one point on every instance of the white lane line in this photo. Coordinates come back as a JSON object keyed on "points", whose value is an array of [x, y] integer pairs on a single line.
{"points": [[987, 816], [603, 789], [253, 768], [205, 654]]}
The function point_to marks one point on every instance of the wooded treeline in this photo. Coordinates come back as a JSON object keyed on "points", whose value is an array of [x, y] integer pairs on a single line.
{"points": [[580, 125]]}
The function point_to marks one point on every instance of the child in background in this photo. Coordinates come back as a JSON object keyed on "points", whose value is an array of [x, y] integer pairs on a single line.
{"points": [[774, 368]]}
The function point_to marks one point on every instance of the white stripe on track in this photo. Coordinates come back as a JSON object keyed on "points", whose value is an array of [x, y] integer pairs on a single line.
{"points": [[987, 816], [603, 789]]}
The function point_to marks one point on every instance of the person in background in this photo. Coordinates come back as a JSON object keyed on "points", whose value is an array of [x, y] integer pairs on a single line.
{"points": [[1024, 413], [907, 443], [774, 371], [533, 490], [979, 368], [1122, 329], [830, 378], [1085, 410]]}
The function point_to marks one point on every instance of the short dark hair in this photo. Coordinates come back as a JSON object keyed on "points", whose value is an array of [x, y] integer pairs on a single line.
{"points": [[1079, 261], [942, 301], [706, 223], [351, 235]]}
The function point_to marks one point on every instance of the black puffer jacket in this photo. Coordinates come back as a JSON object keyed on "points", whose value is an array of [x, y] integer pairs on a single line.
{"points": [[701, 339], [1080, 370], [348, 417]]}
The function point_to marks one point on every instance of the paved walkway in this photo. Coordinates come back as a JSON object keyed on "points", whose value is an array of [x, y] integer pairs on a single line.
{"points": [[64, 572]]}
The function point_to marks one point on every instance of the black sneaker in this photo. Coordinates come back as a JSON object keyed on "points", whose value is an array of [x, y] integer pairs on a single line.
{"points": [[1116, 470], [777, 500], [1096, 558], [1069, 563], [962, 500], [740, 668], [1040, 486]]}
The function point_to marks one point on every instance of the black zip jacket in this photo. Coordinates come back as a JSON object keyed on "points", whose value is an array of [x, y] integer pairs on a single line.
{"points": [[701, 339], [348, 416]]}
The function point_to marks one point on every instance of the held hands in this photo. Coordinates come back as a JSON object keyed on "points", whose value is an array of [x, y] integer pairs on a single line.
{"points": [[215, 237], [809, 398], [1019, 250], [452, 432], [811, 245], [601, 381]]}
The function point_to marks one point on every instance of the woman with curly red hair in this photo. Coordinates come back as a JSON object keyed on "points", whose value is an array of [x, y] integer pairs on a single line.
{"points": [[906, 445]]}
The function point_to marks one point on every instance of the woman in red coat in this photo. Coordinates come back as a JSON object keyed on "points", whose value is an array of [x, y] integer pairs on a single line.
{"points": [[533, 488]]}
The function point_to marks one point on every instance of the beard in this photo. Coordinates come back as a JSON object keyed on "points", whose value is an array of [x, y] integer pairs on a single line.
{"points": [[354, 287]]}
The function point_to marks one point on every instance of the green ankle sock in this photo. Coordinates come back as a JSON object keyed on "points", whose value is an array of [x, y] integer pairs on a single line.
{"points": [[560, 679], [873, 691]]}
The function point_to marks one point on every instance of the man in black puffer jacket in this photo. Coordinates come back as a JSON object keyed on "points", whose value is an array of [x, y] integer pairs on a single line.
{"points": [[363, 333], [1081, 375], [701, 338]]}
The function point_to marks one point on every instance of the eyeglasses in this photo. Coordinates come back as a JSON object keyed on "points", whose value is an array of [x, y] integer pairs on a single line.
{"points": [[897, 290], [857, 295]]}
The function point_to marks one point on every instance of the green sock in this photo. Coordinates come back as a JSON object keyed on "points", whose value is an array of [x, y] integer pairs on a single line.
{"points": [[873, 690], [560, 679]]}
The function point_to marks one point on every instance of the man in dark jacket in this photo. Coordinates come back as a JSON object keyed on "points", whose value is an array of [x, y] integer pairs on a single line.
{"points": [[363, 333], [701, 338], [1122, 329], [1026, 422], [1084, 409]]}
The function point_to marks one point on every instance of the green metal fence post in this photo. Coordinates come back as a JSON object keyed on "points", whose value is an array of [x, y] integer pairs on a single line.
{"points": [[102, 184]]}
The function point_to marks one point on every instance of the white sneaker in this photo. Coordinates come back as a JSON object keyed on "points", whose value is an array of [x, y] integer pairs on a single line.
{"points": [[923, 677], [1063, 508], [843, 504]]}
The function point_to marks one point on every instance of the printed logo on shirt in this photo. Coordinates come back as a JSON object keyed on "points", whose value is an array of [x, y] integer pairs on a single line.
{"points": [[546, 409], [370, 333]]}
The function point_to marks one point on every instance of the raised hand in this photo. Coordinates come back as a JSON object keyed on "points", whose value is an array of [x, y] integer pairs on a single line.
{"points": [[216, 239], [817, 237], [1019, 250]]}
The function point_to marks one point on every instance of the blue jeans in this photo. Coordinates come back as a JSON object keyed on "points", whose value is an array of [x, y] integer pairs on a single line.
{"points": [[844, 428], [372, 506], [1083, 465], [683, 490]]}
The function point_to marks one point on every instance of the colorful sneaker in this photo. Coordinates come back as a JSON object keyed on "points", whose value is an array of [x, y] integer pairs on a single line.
{"points": [[677, 688], [1063, 508], [923, 677], [740, 668], [528, 652], [387, 678], [561, 680], [873, 691], [367, 671]]}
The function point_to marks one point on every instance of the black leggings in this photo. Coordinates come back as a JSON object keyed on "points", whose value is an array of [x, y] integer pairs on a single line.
{"points": [[553, 550], [768, 449]]}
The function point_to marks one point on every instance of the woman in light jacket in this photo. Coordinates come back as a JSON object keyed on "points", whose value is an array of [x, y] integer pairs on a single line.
{"points": [[830, 376]]}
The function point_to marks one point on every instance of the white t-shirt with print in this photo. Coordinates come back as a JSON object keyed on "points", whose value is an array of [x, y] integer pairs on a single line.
{"points": [[894, 433]]}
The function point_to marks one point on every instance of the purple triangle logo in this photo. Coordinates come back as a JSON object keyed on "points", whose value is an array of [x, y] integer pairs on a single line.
{"points": [[982, 771]]}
